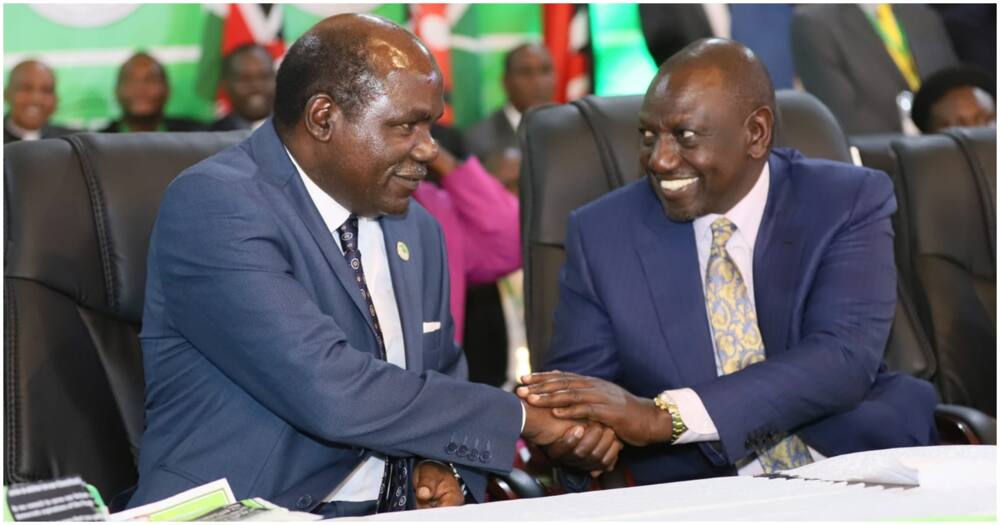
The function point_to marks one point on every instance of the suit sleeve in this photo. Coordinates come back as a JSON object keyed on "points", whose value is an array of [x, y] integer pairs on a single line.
{"points": [[229, 289], [845, 323], [453, 364]]}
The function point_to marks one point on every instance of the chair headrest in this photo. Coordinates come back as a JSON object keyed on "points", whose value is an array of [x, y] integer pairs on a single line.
{"points": [[84, 208]]}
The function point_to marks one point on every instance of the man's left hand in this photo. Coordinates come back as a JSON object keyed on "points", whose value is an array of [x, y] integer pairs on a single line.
{"points": [[436, 486]]}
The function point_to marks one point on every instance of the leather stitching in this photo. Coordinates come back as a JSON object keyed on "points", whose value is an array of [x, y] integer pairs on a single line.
{"points": [[100, 221]]}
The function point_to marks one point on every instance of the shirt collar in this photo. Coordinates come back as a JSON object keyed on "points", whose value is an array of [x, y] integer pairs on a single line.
{"points": [[333, 214], [512, 114], [747, 213], [23, 134]]}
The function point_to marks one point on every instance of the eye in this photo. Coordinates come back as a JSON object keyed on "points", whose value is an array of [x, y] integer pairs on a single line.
{"points": [[687, 134], [648, 137], [406, 127]]}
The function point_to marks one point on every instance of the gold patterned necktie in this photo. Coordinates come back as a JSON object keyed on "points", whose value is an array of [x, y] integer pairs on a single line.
{"points": [[737, 338]]}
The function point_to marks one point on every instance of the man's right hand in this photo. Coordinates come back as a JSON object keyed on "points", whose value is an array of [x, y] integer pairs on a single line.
{"points": [[542, 428], [594, 449]]}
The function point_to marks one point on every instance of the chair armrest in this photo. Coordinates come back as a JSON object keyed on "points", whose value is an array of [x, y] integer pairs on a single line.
{"points": [[962, 425], [516, 485]]}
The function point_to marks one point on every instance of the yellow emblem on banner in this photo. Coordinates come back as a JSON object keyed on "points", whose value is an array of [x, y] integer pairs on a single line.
{"points": [[403, 251]]}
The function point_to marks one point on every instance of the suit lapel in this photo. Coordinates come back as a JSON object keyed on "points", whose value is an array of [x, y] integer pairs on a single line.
{"points": [[669, 260], [406, 284], [279, 170], [776, 259]]}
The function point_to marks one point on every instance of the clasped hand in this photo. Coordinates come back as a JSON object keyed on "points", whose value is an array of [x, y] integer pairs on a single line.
{"points": [[605, 406]]}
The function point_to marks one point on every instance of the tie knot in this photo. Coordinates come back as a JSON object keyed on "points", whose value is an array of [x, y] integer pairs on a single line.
{"points": [[348, 234], [722, 230]]}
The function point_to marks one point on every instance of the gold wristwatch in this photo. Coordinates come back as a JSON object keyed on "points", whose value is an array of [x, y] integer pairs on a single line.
{"points": [[665, 402]]}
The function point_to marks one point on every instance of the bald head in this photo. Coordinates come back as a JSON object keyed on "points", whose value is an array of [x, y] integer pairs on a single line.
{"points": [[729, 64], [347, 57]]}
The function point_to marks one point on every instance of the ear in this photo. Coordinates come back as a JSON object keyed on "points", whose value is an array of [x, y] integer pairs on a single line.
{"points": [[760, 126], [322, 117]]}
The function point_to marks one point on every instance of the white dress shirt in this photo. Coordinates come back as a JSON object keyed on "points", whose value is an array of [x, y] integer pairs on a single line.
{"points": [[746, 215], [364, 482], [513, 115]]}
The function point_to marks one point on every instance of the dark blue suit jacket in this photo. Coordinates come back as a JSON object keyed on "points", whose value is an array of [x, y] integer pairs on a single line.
{"points": [[632, 310], [260, 360]]}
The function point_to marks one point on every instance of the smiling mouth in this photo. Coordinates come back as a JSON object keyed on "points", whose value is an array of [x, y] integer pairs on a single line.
{"points": [[410, 180], [676, 185]]}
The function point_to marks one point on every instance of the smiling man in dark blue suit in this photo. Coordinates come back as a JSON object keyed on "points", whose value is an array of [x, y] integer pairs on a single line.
{"points": [[296, 333], [730, 309]]}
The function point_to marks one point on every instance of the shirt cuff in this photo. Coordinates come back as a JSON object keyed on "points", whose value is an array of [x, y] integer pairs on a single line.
{"points": [[699, 424], [524, 415]]}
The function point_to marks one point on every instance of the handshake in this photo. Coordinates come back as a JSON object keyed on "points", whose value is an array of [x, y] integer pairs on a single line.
{"points": [[582, 421]]}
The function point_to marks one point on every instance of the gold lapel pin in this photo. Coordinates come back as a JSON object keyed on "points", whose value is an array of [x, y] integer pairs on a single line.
{"points": [[403, 251]]}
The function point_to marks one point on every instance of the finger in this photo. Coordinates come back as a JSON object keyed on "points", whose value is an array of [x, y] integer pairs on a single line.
{"points": [[611, 457], [591, 438], [564, 398], [566, 443], [563, 382], [538, 377], [601, 449], [447, 493]]}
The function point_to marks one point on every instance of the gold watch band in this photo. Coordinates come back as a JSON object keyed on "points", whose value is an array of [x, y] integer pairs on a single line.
{"points": [[665, 402]]}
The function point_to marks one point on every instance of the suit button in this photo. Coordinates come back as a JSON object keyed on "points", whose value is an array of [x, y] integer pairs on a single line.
{"points": [[451, 448], [473, 455], [462, 451], [485, 456], [304, 502]]}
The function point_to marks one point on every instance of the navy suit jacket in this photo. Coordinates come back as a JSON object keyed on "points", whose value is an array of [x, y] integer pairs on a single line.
{"points": [[632, 310], [260, 359]]}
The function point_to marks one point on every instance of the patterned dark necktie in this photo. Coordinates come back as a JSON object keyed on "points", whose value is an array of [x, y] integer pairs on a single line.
{"points": [[392, 495]]}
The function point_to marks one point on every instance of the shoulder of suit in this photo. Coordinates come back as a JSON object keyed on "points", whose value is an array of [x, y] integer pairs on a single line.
{"points": [[621, 204], [231, 166], [821, 178]]}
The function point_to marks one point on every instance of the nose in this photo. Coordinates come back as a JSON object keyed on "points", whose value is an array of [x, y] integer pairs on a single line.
{"points": [[664, 158], [426, 148]]}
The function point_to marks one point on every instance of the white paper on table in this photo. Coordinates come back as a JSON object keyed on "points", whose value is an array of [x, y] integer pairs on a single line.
{"points": [[142, 513], [883, 470]]}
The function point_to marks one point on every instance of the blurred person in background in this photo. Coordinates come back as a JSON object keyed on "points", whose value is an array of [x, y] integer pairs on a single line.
{"points": [[528, 81], [248, 79], [142, 91], [31, 96], [859, 59], [958, 96]]}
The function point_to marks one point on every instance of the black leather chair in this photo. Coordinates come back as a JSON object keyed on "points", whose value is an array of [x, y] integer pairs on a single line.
{"points": [[949, 183], [79, 213], [574, 153]]}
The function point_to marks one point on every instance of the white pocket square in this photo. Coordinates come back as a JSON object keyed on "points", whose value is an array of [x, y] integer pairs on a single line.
{"points": [[431, 327]]}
